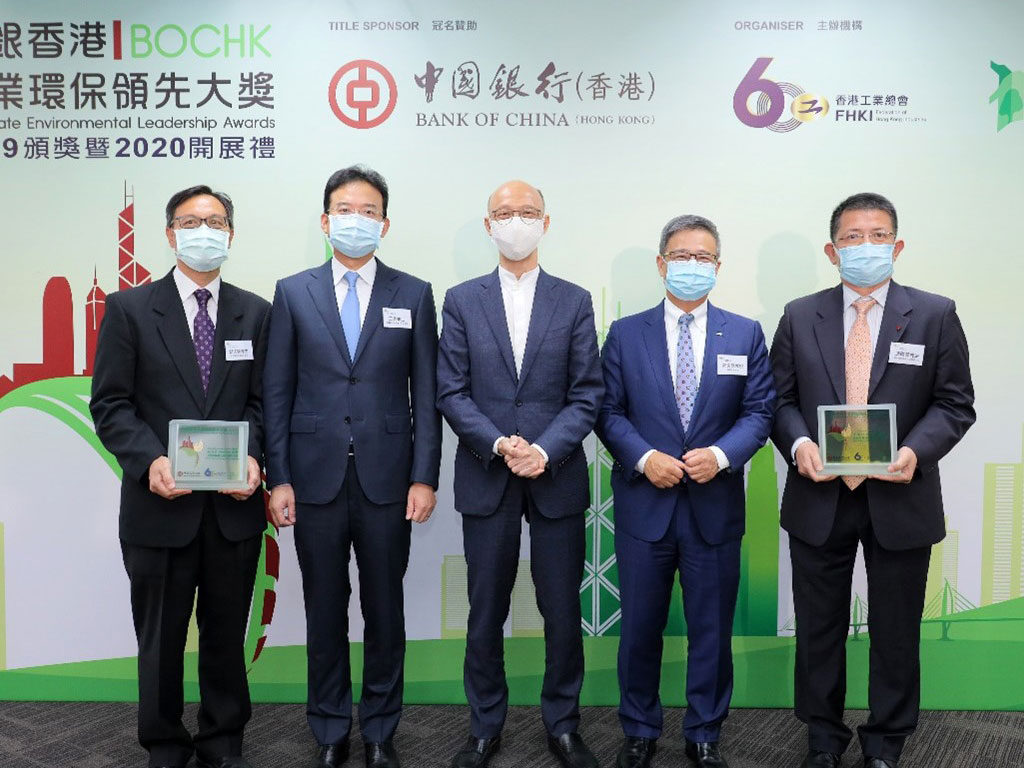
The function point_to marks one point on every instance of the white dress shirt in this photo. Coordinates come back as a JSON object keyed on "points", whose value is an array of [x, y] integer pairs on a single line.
{"points": [[364, 284], [698, 337], [187, 291], [874, 318], [517, 295]]}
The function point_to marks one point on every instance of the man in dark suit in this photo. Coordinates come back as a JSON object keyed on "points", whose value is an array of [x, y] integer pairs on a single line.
{"points": [[353, 450], [520, 384], [188, 346], [688, 400], [868, 340]]}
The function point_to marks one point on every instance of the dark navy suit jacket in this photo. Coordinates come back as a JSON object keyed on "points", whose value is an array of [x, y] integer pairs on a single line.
{"points": [[316, 397], [934, 407], [640, 413], [552, 403]]}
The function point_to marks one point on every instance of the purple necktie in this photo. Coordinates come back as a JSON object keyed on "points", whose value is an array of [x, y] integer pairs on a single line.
{"points": [[202, 336]]}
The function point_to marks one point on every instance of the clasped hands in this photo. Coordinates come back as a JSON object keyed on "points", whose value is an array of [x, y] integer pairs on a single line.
{"points": [[664, 471], [521, 457]]}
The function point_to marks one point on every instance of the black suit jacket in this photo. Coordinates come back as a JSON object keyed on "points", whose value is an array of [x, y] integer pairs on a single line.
{"points": [[146, 374], [934, 408]]}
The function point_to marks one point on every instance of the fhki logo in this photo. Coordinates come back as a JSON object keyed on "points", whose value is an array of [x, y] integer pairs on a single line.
{"points": [[1009, 96], [767, 110]]}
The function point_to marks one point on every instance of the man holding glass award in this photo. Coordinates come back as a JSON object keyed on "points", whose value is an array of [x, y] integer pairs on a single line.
{"points": [[176, 398], [874, 388]]}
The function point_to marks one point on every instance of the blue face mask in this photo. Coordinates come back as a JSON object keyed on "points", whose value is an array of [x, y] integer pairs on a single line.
{"points": [[203, 249], [689, 280], [866, 264], [355, 235]]}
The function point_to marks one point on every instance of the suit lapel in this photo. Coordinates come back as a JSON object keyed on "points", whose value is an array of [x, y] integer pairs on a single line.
{"points": [[656, 343], [545, 302], [494, 310], [321, 289], [829, 333], [385, 284], [709, 370], [895, 319], [230, 312], [172, 326]]}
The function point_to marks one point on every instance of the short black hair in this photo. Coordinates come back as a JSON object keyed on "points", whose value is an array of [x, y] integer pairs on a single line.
{"points": [[862, 201], [356, 173], [202, 189]]}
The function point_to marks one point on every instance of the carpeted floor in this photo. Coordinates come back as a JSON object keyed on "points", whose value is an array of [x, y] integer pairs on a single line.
{"points": [[102, 735]]}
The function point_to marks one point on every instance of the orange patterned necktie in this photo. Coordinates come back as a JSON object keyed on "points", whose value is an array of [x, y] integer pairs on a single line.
{"points": [[858, 367]]}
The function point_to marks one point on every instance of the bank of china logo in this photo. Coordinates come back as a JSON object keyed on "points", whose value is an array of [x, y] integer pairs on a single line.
{"points": [[770, 104], [1009, 95], [362, 94]]}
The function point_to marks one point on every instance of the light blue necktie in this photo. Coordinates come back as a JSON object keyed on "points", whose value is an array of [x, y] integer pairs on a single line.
{"points": [[350, 314], [686, 372]]}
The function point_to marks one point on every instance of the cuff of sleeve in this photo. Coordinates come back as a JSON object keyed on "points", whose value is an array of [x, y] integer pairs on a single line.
{"points": [[494, 448], [643, 462], [796, 444], [723, 460], [543, 454]]}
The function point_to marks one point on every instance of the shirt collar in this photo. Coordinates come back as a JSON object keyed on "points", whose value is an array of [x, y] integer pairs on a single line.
{"points": [[879, 294], [673, 313], [527, 280], [187, 286], [367, 272]]}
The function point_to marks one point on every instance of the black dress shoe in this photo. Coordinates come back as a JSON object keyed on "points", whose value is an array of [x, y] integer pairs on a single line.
{"points": [[571, 751], [705, 754], [636, 752], [233, 761], [816, 759], [381, 754], [476, 753], [331, 755], [878, 762]]}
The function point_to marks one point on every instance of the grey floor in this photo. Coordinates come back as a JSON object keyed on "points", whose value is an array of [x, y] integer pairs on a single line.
{"points": [[102, 735]]}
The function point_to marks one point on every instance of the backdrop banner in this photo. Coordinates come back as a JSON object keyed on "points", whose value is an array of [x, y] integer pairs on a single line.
{"points": [[625, 116]]}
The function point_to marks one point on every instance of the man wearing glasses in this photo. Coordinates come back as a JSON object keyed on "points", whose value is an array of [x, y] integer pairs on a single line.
{"points": [[689, 399], [353, 451], [520, 384], [867, 340], [189, 346]]}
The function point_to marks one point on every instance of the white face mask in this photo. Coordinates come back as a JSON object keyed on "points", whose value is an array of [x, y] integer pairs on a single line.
{"points": [[516, 237], [203, 249]]}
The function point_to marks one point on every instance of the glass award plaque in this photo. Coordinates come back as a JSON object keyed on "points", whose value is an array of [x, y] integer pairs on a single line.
{"points": [[857, 439], [209, 455]]}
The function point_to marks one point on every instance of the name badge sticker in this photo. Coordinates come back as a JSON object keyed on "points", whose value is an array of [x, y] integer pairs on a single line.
{"points": [[732, 365], [237, 350], [397, 318], [906, 354]]}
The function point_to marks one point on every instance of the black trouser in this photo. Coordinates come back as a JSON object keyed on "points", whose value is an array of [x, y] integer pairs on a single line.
{"points": [[379, 534], [821, 593], [164, 583], [557, 550]]}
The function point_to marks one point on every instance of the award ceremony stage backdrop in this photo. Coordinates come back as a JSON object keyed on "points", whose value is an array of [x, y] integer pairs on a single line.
{"points": [[760, 116]]}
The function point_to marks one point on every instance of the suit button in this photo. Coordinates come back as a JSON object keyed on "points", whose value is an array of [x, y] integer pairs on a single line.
{"points": [[348, 419], [519, 403], [353, 380]]}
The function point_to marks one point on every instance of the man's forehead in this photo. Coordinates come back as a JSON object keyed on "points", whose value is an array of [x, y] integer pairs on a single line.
{"points": [[516, 192], [201, 203], [861, 216], [357, 191]]}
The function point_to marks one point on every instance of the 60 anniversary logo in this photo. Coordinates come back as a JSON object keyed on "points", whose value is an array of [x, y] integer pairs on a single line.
{"points": [[771, 101]]}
